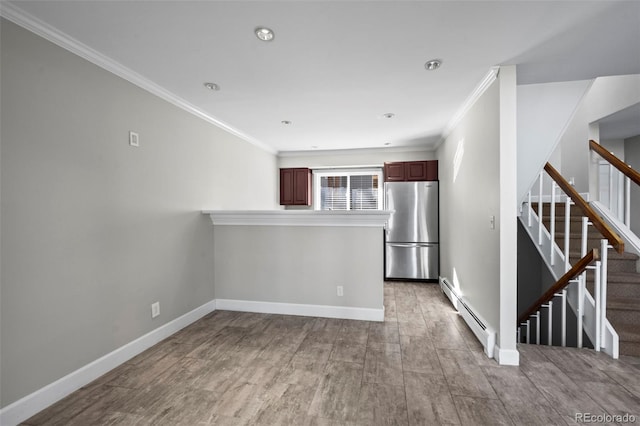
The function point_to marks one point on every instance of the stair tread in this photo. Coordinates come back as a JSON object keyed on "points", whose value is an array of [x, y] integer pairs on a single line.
{"points": [[628, 332], [612, 254], [623, 277], [619, 278], [624, 303]]}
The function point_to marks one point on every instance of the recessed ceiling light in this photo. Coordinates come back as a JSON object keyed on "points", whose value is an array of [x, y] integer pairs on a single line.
{"points": [[211, 86], [388, 115], [264, 34], [286, 122], [433, 64]]}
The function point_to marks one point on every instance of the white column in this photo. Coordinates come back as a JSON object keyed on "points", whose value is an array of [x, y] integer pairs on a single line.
{"points": [[506, 351]]}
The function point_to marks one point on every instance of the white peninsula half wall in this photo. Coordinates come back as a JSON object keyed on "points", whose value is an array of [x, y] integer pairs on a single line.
{"points": [[311, 263]]}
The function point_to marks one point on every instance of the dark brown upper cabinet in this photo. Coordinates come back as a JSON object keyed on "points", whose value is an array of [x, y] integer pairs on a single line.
{"points": [[411, 171], [295, 187]]}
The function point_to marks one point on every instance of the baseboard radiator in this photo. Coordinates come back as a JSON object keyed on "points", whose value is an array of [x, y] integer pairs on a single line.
{"points": [[483, 333]]}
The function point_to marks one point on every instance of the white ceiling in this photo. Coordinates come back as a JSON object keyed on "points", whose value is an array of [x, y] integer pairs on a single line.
{"points": [[335, 67]]}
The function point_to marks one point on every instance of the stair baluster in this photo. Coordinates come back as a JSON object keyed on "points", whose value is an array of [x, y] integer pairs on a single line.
{"points": [[563, 318], [604, 246], [567, 232], [549, 307], [552, 223]]}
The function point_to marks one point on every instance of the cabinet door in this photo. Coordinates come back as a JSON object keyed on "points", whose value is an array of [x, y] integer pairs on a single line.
{"points": [[302, 187], [394, 172], [286, 187], [432, 170], [416, 170]]}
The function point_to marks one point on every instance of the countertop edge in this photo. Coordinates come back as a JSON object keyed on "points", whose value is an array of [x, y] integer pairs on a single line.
{"points": [[367, 218]]}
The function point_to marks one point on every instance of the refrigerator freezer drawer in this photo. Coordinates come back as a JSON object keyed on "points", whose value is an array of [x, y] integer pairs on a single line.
{"points": [[416, 261]]}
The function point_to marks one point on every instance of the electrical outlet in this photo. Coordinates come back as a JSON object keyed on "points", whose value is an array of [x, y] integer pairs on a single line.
{"points": [[340, 290], [155, 309], [134, 139], [492, 222]]}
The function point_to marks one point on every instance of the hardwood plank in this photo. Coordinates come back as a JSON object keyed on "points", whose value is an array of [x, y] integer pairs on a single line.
{"points": [[574, 365], [464, 376], [276, 354], [629, 380], [353, 336], [390, 311], [315, 349], [290, 409], [446, 335], [419, 355], [308, 375], [383, 364], [146, 402], [220, 344], [348, 351], [244, 400], [195, 407], [381, 404], [531, 354], [217, 375], [338, 393], [138, 376], [384, 332], [513, 386], [428, 400], [529, 414], [413, 329], [99, 397], [614, 399], [481, 411], [567, 397]]}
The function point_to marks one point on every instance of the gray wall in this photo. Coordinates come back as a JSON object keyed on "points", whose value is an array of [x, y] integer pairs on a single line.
{"points": [[300, 264], [543, 113], [632, 157], [94, 231], [606, 96], [469, 195]]}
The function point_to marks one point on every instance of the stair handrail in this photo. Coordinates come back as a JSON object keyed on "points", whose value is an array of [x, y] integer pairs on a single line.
{"points": [[625, 168], [611, 236], [579, 267]]}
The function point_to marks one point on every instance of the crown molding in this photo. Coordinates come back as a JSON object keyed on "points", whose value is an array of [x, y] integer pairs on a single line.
{"points": [[19, 17], [354, 151], [486, 82]]}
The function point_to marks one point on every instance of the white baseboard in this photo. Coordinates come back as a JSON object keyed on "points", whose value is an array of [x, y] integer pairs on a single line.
{"points": [[449, 292], [325, 311], [506, 356], [485, 334], [53, 392]]}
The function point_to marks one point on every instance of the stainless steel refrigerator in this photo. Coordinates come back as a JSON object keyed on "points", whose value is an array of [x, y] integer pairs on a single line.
{"points": [[412, 248]]}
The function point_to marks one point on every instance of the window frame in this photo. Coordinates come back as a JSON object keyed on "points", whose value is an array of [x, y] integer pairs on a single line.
{"points": [[320, 173]]}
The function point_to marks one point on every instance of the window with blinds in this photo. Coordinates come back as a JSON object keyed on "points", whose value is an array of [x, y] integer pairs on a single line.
{"points": [[348, 190]]}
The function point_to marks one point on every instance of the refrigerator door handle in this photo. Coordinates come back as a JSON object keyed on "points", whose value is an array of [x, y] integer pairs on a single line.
{"points": [[412, 244]]}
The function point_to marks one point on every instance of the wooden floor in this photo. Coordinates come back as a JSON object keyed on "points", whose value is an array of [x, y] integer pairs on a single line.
{"points": [[420, 367]]}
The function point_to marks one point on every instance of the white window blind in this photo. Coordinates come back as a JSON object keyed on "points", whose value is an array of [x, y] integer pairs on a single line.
{"points": [[348, 189]]}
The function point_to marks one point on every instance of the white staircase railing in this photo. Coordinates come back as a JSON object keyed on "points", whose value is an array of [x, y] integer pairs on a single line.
{"points": [[589, 309], [614, 183], [614, 191]]}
